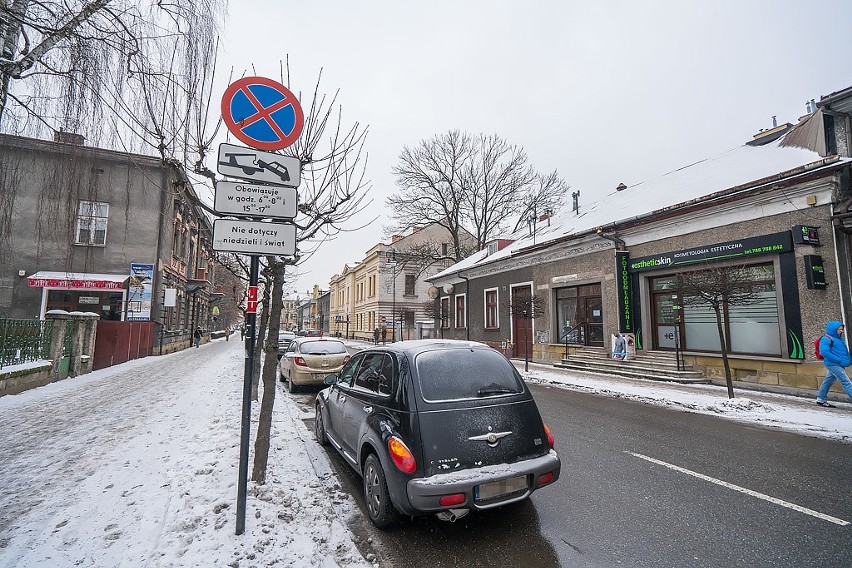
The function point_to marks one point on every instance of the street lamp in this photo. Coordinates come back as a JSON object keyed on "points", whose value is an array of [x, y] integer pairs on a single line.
{"points": [[392, 264]]}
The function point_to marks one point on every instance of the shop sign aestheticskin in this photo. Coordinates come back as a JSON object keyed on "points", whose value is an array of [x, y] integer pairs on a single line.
{"points": [[815, 272], [748, 247]]}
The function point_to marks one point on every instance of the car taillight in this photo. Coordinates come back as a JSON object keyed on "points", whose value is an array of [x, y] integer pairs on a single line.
{"points": [[401, 456], [299, 361], [454, 499], [544, 479], [550, 439], [346, 359]]}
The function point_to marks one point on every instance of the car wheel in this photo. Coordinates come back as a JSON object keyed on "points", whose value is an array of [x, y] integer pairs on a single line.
{"points": [[291, 388], [319, 428], [376, 494]]}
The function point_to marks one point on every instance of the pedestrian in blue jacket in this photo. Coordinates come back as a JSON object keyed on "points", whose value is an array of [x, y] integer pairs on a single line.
{"points": [[835, 357]]}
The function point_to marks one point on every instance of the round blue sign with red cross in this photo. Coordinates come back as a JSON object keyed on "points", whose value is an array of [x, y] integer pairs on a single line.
{"points": [[262, 113]]}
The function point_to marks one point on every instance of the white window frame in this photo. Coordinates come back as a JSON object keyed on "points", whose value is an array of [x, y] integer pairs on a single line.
{"points": [[91, 213]]}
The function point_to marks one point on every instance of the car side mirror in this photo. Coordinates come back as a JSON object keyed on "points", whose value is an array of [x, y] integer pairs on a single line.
{"points": [[330, 379]]}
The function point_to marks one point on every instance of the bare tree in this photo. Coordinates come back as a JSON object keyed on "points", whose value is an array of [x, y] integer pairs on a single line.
{"points": [[333, 189], [125, 73], [468, 183], [717, 287]]}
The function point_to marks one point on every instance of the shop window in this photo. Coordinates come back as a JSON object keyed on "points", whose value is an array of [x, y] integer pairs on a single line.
{"points": [[491, 314], [753, 328], [92, 223]]}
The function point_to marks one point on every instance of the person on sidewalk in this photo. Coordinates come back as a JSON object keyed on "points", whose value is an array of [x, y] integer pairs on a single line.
{"points": [[197, 336], [835, 357], [376, 336]]}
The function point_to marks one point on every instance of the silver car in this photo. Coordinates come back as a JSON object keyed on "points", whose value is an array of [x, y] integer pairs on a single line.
{"points": [[309, 360]]}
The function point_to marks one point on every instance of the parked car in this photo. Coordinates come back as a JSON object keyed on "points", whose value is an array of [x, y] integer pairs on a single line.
{"points": [[284, 339], [309, 360], [436, 426]]}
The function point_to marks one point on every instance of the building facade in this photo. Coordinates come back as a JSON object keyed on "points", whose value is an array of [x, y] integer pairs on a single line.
{"points": [[774, 212], [388, 288], [94, 230]]}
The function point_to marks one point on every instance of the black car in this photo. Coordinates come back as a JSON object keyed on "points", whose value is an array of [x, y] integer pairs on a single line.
{"points": [[436, 426]]}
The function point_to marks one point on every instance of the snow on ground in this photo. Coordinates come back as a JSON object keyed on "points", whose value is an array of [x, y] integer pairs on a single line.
{"points": [[779, 411], [136, 465]]}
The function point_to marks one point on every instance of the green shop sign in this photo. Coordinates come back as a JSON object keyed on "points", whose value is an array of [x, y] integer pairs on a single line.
{"points": [[752, 246]]}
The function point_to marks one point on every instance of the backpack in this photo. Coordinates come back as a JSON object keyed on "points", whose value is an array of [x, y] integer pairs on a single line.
{"points": [[817, 354]]}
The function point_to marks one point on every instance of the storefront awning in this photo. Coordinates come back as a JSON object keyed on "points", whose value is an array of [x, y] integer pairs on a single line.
{"points": [[77, 280]]}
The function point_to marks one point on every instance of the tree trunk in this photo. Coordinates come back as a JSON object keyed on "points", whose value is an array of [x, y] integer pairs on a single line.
{"points": [[724, 348], [261, 333], [270, 374]]}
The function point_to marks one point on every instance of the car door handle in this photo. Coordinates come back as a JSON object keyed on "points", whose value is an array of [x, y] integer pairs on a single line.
{"points": [[368, 409]]}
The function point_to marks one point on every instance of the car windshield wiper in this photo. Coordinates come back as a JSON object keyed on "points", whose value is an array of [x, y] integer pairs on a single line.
{"points": [[485, 391]]}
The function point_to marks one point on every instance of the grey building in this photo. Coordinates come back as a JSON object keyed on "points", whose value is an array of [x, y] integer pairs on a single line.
{"points": [[89, 229], [779, 207]]}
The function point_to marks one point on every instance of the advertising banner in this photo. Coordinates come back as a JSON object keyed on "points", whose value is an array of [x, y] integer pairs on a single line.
{"points": [[139, 295]]}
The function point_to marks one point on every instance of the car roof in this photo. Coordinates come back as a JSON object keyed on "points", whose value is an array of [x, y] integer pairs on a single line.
{"points": [[417, 346], [304, 338]]}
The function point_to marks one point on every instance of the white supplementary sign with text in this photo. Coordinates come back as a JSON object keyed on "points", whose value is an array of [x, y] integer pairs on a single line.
{"points": [[254, 237], [255, 200]]}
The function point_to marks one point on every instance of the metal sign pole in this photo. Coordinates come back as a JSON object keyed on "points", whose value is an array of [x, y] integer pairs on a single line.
{"points": [[251, 320]]}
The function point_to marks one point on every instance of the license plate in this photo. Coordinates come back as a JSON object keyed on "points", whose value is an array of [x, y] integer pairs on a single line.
{"points": [[496, 489]]}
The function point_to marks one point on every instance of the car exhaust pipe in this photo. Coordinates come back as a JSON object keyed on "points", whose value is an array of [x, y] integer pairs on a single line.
{"points": [[452, 515]]}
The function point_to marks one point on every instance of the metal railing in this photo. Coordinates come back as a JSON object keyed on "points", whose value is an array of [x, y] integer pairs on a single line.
{"points": [[22, 341]]}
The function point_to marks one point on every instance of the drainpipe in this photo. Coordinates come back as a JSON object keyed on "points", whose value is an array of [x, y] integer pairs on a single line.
{"points": [[467, 305], [834, 237], [619, 244]]}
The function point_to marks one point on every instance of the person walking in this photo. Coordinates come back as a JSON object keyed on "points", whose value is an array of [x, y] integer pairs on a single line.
{"points": [[835, 357], [384, 334], [197, 337], [376, 336]]}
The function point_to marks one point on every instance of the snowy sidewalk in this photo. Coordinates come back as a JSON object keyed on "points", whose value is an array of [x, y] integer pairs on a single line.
{"points": [[136, 465], [778, 411]]}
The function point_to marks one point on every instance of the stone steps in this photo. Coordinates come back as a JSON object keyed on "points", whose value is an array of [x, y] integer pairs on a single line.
{"points": [[651, 365]]}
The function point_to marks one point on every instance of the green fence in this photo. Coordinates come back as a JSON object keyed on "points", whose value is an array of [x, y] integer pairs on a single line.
{"points": [[24, 340]]}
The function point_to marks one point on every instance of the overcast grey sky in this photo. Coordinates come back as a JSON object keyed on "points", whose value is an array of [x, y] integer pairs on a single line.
{"points": [[604, 91]]}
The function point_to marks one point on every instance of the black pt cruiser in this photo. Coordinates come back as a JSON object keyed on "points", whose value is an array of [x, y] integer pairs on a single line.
{"points": [[436, 426]]}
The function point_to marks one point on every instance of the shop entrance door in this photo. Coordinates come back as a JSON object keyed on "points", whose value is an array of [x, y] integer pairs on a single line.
{"points": [[668, 323], [591, 311]]}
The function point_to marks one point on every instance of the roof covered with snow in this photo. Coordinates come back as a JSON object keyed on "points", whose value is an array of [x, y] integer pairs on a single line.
{"points": [[748, 166]]}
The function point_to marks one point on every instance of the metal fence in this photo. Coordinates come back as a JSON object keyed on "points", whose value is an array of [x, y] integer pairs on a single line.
{"points": [[22, 341]]}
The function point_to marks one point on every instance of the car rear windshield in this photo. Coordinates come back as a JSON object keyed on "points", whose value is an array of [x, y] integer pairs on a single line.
{"points": [[452, 374], [322, 347]]}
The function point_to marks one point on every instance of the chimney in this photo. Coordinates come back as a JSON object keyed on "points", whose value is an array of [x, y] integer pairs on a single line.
{"points": [[774, 121], [66, 137], [396, 238], [621, 187]]}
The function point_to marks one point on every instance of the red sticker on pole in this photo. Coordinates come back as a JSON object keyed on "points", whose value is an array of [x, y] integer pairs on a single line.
{"points": [[251, 300]]}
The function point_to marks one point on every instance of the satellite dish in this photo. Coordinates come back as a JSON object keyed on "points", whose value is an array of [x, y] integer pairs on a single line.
{"points": [[448, 288], [433, 292]]}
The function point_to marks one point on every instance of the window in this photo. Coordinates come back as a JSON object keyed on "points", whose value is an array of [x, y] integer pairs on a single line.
{"points": [[460, 306], [375, 374], [92, 223], [445, 249], [491, 317], [445, 312], [453, 374], [410, 280]]}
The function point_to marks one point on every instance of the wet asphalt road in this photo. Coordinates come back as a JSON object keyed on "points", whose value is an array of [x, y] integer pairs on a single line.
{"points": [[612, 507]]}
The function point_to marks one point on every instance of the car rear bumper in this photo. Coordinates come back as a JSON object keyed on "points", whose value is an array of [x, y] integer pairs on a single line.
{"points": [[424, 493], [315, 378]]}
